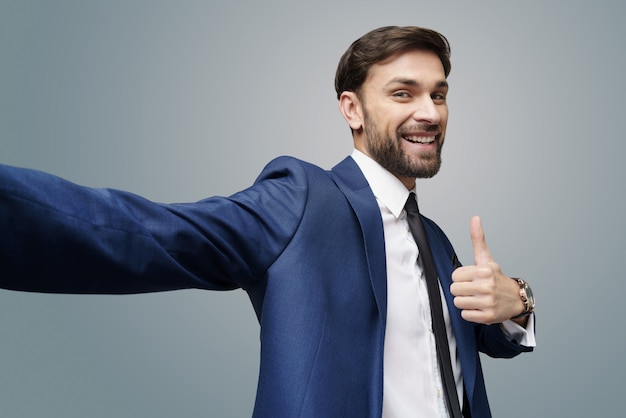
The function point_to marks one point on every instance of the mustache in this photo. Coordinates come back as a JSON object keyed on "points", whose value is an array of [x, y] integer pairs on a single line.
{"points": [[419, 128]]}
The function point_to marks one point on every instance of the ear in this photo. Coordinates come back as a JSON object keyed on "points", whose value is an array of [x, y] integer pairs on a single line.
{"points": [[351, 109]]}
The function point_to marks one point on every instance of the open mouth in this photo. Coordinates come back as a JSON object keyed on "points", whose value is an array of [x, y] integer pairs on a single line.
{"points": [[419, 139]]}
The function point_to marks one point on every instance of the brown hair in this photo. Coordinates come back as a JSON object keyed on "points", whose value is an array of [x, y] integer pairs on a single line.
{"points": [[382, 43]]}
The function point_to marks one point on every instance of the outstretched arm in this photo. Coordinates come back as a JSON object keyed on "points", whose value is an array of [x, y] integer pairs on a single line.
{"points": [[56, 236]]}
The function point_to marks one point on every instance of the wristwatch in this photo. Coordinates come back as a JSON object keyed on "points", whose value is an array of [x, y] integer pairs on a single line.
{"points": [[528, 299]]}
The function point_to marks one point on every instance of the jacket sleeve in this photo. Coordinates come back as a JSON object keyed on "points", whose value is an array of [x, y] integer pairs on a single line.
{"points": [[493, 342], [56, 236]]}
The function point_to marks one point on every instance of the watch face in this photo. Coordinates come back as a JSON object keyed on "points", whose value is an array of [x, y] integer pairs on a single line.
{"points": [[529, 295]]}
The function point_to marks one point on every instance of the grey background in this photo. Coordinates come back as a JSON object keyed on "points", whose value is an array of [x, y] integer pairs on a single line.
{"points": [[182, 100]]}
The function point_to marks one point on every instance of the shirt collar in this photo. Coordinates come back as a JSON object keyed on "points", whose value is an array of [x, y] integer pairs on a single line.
{"points": [[387, 188]]}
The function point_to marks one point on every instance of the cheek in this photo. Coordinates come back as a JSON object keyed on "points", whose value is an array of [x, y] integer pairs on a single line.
{"points": [[443, 117]]}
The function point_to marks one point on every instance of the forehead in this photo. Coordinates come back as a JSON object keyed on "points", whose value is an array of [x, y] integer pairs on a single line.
{"points": [[421, 66]]}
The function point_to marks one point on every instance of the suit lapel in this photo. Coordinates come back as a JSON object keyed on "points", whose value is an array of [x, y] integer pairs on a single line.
{"points": [[354, 186], [445, 264]]}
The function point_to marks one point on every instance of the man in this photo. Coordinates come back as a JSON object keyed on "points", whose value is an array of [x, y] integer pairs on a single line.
{"points": [[328, 258]]}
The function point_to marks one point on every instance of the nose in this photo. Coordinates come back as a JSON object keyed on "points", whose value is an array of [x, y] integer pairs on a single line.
{"points": [[426, 111]]}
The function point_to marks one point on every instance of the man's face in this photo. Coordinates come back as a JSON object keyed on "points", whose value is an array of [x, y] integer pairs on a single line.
{"points": [[404, 114]]}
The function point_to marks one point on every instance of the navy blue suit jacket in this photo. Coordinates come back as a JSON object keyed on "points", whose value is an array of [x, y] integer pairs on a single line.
{"points": [[305, 244]]}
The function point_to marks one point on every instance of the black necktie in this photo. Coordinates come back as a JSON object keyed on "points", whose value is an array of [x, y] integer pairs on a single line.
{"points": [[436, 310]]}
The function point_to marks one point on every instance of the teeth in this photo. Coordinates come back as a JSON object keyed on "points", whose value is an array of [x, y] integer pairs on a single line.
{"points": [[420, 139]]}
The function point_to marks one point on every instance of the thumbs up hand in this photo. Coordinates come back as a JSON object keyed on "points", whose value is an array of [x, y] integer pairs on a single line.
{"points": [[483, 293]]}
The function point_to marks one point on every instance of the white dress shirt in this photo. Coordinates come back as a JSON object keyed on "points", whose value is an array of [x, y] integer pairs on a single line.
{"points": [[412, 380]]}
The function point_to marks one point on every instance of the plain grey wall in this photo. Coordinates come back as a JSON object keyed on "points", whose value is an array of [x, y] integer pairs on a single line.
{"points": [[182, 100]]}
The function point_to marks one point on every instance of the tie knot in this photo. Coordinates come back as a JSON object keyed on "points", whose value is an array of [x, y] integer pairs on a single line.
{"points": [[411, 204]]}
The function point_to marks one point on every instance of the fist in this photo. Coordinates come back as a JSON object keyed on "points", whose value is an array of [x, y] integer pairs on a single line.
{"points": [[482, 292]]}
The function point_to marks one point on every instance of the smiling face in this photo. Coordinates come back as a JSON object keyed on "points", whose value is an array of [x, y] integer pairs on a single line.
{"points": [[399, 115]]}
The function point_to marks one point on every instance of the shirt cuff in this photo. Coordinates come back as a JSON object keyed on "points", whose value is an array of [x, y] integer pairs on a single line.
{"points": [[522, 336]]}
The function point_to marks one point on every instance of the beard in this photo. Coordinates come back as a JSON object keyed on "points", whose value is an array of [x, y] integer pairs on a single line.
{"points": [[388, 152]]}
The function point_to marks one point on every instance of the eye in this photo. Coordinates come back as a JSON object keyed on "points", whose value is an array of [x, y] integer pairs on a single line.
{"points": [[438, 97], [401, 94]]}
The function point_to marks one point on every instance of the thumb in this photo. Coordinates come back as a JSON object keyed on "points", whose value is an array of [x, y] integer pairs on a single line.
{"points": [[481, 251]]}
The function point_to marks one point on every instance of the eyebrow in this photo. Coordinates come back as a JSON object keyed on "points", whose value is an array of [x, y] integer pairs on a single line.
{"points": [[414, 83]]}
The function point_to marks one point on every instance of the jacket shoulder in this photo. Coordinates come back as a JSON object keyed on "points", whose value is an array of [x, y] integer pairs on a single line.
{"points": [[286, 165]]}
